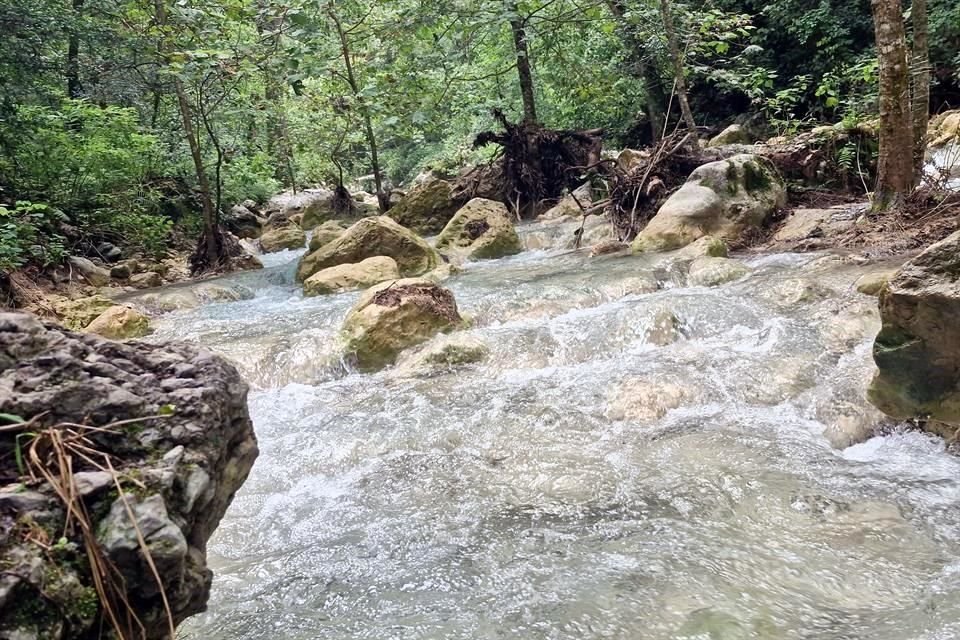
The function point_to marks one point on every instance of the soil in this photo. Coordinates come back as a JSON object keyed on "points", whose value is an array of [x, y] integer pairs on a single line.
{"points": [[439, 300]]}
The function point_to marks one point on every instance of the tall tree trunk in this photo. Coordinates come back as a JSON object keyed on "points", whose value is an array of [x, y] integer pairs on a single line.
{"points": [[644, 69], [210, 238], [920, 85], [74, 87], [895, 159], [383, 198], [278, 140], [523, 65], [673, 44]]}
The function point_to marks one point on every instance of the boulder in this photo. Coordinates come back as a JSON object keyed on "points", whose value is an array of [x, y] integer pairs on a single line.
{"points": [[326, 232], [146, 280], [723, 199], [120, 323], [316, 210], [345, 277], [244, 223], [120, 271], [394, 316], [442, 354], [109, 252], [734, 134], [179, 473], [872, 283], [427, 207], [944, 129], [647, 399], [78, 313], [664, 328], [370, 237], [705, 247], [97, 276], [804, 224], [282, 238], [710, 272], [606, 247], [481, 229], [567, 206], [918, 348]]}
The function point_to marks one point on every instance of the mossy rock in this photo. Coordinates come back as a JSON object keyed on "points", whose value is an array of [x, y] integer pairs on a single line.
{"points": [[427, 208], [368, 238], [120, 323], [394, 316], [326, 232], [80, 312], [278, 239], [346, 277], [480, 230]]}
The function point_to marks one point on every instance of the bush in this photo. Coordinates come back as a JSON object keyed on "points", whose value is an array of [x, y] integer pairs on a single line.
{"points": [[249, 177], [29, 233]]}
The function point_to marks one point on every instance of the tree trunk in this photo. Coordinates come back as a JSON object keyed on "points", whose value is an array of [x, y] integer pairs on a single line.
{"points": [[74, 87], [383, 198], [673, 43], [643, 69], [523, 65], [920, 85], [895, 159], [278, 139]]}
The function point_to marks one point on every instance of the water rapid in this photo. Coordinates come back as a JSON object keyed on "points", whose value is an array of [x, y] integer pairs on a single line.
{"points": [[634, 459]]}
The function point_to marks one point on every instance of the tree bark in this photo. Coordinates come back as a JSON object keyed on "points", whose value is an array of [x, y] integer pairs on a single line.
{"points": [[74, 86], [673, 44], [895, 158], [210, 217], [523, 65], [644, 70], [920, 85], [383, 199]]}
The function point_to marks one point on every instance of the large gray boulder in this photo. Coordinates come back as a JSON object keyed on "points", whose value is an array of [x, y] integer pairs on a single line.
{"points": [[178, 474], [427, 207], [918, 348], [723, 199], [92, 273]]}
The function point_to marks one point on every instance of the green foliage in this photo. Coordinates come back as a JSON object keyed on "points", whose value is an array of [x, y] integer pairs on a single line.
{"points": [[249, 177], [29, 233]]}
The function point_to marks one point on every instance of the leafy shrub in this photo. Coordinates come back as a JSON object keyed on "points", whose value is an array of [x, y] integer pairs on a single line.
{"points": [[249, 177], [28, 233]]}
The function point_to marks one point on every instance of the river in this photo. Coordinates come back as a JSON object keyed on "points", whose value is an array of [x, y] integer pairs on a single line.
{"points": [[625, 463]]}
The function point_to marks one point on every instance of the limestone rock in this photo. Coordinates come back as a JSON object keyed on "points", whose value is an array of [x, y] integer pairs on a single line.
{"points": [[120, 323], [370, 237], [944, 128], [481, 229], [290, 237], [78, 313], [734, 134], [394, 316], [872, 283], [326, 232], [803, 224], [710, 272], [97, 276], [313, 205], [665, 328], [444, 353], [146, 280], [120, 271], [646, 399], [190, 464], [244, 223], [607, 247], [918, 348], [345, 277], [427, 207], [723, 198], [705, 247]]}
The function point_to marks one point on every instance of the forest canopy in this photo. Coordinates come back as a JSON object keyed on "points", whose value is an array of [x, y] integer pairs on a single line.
{"points": [[140, 121]]}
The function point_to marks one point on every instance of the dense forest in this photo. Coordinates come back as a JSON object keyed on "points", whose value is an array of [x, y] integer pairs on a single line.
{"points": [[138, 122]]}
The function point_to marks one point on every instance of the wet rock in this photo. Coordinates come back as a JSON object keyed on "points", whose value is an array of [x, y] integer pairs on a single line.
{"points": [[279, 239], [80, 312], [918, 348], [568, 207], [665, 328], [172, 300], [710, 272], [795, 291], [734, 134], [480, 230], [370, 237], [705, 247], [317, 209], [607, 247], [849, 424], [443, 354], [944, 129], [146, 280], [120, 323], [325, 233], [723, 199], [58, 376], [109, 252], [346, 277], [804, 224], [97, 276], [120, 271], [646, 399], [394, 316], [849, 326], [243, 222], [427, 207], [872, 283]]}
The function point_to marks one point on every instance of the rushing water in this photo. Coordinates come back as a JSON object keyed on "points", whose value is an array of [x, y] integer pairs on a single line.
{"points": [[593, 477]]}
